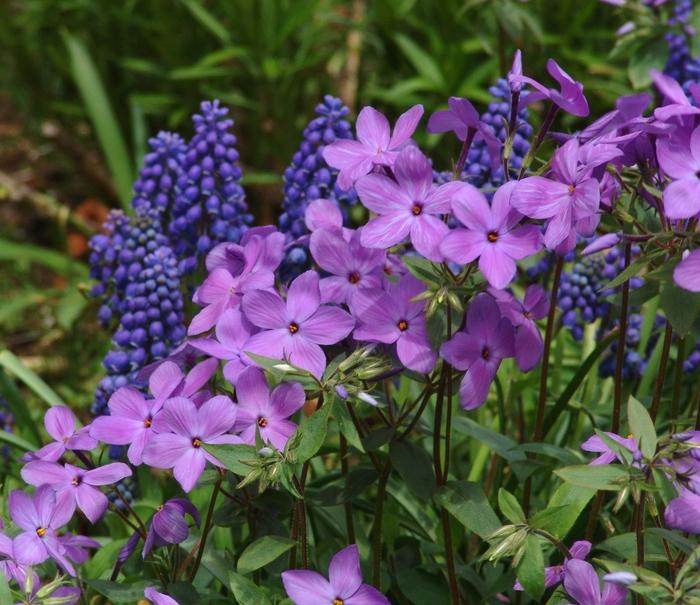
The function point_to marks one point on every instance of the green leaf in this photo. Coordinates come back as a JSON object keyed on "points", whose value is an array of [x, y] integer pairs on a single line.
{"points": [[23, 418], [207, 20], [510, 507], [13, 364], [312, 434], [530, 570], [568, 501], [466, 502], [5, 593], [641, 427], [606, 477], [233, 457], [346, 425], [424, 64], [60, 263], [245, 591], [415, 467], [99, 108], [680, 306], [261, 552], [648, 56], [120, 592]]}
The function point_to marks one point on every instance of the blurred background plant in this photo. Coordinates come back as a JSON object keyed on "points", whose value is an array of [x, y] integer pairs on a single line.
{"points": [[84, 85]]}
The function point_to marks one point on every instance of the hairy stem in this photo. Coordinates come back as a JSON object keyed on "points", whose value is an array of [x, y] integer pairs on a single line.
{"points": [[377, 526], [621, 341], [659, 386], [202, 542], [349, 523]]}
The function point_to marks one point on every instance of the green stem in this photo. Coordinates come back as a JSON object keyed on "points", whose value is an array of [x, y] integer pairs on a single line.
{"points": [[621, 341], [205, 531], [658, 388], [377, 527], [349, 523], [678, 379]]}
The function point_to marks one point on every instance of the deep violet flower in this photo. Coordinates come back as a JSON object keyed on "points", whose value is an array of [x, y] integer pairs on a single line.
{"points": [[235, 270], [168, 525], [182, 430], [687, 272], [583, 585], [569, 97], [529, 345], [351, 265], [265, 411], [493, 234], [9, 567], [158, 598], [344, 586], [554, 574], [408, 206], [132, 415], [76, 547], [596, 445], [462, 118], [233, 331], [76, 486], [683, 513], [294, 329], [390, 316], [40, 517], [376, 145], [59, 422], [570, 200], [676, 102], [487, 339], [679, 158]]}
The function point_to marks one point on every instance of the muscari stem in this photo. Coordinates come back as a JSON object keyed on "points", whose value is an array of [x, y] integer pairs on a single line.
{"points": [[621, 341], [658, 388], [542, 399]]}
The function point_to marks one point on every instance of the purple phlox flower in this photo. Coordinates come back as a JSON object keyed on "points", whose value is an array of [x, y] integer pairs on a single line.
{"points": [[601, 243], [596, 445], [493, 234], [516, 72], [351, 265], [583, 585], [344, 584], [265, 411], [40, 516], [184, 356], [59, 422], [628, 110], [9, 567], [182, 430], [569, 97], [76, 547], [294, 329], [679, 158], [408, 206], [683, 513], [394, 266], [462, 118], [390, 316], [569, 201], [168, 525], [554, 574], [687, 472], [158, 598], [676, 103], [479, 348], [76, 486], [529, 345], [376, 145], [233, 331], [610, 190], [233, 271], [323, 214], [687, 273]]}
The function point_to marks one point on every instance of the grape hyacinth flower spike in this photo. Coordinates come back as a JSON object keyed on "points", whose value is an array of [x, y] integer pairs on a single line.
{"points": [[408, 206], [492, 235], [182, 430], [343, 587], [376, 144], [294, 329], [487, 339], [260, 410], [583, 585], [59, 422]]}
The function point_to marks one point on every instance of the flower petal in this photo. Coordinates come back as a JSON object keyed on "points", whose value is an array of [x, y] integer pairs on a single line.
{"points": [[306, 587], [344, 572], [265, 309], [59, 422], [303, 297], [327, 325]]}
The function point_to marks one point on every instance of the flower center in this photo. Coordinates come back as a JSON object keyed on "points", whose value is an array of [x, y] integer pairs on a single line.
{"points": [[41, 531], [572, 188], [293, 328], [492, 236], [527, 314], [485, 353], [148, 422], [65, 439], [416, 209], [354, 277], [262, 422], [403, 325], [337, 601], [196, 442], [76, 481], [160, 507]]}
